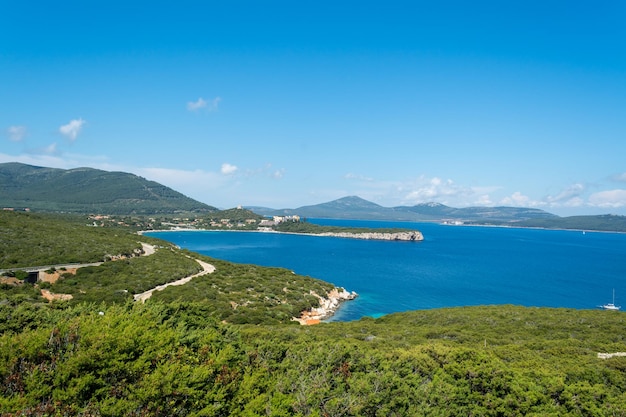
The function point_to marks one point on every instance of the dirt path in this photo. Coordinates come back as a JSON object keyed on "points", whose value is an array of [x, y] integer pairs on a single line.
{"points": [[206, 269], [147, 249]]}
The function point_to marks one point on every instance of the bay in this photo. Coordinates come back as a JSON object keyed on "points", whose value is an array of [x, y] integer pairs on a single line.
{"points": [[453, 266]]}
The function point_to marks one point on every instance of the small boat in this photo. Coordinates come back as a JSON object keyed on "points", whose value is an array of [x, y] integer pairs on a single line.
{"points": [[611, 306]]}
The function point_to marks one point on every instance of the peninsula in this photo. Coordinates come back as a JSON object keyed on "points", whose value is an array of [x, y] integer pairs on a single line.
{"points": [[293, 224]]}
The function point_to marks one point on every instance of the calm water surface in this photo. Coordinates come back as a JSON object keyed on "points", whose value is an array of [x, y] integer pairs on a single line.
{"points": [[453, 266]]}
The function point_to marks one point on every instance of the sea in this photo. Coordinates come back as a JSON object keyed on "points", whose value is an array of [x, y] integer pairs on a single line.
{"points": [[453, 266]]}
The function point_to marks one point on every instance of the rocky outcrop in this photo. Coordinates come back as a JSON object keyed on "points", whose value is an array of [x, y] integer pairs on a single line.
{"points": [[409, 236], [54, 297], [328, 306]]}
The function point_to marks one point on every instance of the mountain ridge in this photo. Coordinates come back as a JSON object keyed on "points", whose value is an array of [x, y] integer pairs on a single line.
{"points": [[88, 190], [357, 208]]}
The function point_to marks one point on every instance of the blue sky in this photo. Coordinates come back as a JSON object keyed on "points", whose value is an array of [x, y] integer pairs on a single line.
{"points": [[284, 104]]}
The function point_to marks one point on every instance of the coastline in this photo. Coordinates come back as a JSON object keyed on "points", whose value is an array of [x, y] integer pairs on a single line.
{"points": [[328, 306], [408, 236]]}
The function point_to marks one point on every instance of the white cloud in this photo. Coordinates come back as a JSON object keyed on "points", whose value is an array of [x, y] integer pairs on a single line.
{"points": [[278, 174], [426, 190], [228, 169], [518, 199], [16, 133], [483, 200], [196, 105], [608, 199], [72, 129], [201, 103]]}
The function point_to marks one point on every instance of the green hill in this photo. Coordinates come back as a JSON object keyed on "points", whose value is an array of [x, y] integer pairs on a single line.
{"points": [[233, 292], [354, 207], [604, 222], [88, 190], [182, 353]]}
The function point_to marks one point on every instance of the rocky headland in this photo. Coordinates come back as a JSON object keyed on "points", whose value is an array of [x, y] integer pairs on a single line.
{"points": [[328, 305]]}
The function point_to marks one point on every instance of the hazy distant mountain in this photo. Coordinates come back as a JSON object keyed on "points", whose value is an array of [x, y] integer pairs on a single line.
{"points": [[357, 208], [88, 190]]}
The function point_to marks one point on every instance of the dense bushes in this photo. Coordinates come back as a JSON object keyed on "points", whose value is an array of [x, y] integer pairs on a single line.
{"points": [[176, 359], [306, 227], [121, 362], [29, 239], [170, 357], [240, 293], [119, 280]]}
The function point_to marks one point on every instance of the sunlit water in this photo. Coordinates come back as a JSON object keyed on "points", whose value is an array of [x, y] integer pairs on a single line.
{"points": [[453, 266]]}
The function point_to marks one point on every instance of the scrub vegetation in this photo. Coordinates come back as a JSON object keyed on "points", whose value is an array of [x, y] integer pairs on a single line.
{"points": [[205, 349]]}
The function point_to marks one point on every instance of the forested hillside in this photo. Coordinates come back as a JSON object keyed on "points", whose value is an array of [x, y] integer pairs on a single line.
{"points": [[88, 190]]}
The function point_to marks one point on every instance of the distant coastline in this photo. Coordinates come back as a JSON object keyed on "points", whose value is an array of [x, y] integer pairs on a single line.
{"points": [[408, 236]]}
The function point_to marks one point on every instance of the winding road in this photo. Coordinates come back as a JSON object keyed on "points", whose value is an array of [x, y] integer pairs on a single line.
{"points": [[206, 269], [147, 251]]}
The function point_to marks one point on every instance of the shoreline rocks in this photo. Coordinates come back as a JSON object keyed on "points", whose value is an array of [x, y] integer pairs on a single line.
{"points": [[328, 306], [408, 236]]}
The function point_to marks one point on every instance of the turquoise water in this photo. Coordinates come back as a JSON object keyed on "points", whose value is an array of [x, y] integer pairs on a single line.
{"points": [[453, 266]]}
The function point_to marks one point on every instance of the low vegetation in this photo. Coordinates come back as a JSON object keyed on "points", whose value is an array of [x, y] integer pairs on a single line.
{"points": [[606, 223], [234, 293], [33, 239], [177, 359], [219, 346], [306, 227], [240, 293]]}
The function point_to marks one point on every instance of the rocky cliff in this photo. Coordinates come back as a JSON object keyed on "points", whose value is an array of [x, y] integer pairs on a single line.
{"points": [[328, 305]]}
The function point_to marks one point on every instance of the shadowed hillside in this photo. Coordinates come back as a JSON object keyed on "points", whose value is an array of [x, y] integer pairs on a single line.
{"points": [[88, 190]]}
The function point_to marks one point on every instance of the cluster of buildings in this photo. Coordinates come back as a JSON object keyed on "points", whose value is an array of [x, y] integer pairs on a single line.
{"points": [[267, 223]]}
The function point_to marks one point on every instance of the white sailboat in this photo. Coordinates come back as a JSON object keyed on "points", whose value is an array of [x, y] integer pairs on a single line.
{"points": [[611, 306]]}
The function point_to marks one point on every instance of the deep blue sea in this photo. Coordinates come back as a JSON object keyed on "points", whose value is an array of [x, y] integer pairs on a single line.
{"points": [[453, 266]]}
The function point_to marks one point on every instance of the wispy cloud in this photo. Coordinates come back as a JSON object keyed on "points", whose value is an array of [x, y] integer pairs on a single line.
{"points": [[50, 150], [571, 196], [50, 157], [619, 177], [72, 129], [608, 199], [16, 133], [357, 177], [278, 174], [210, 105], [228, 169], [180, 179], [267, 171]]}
